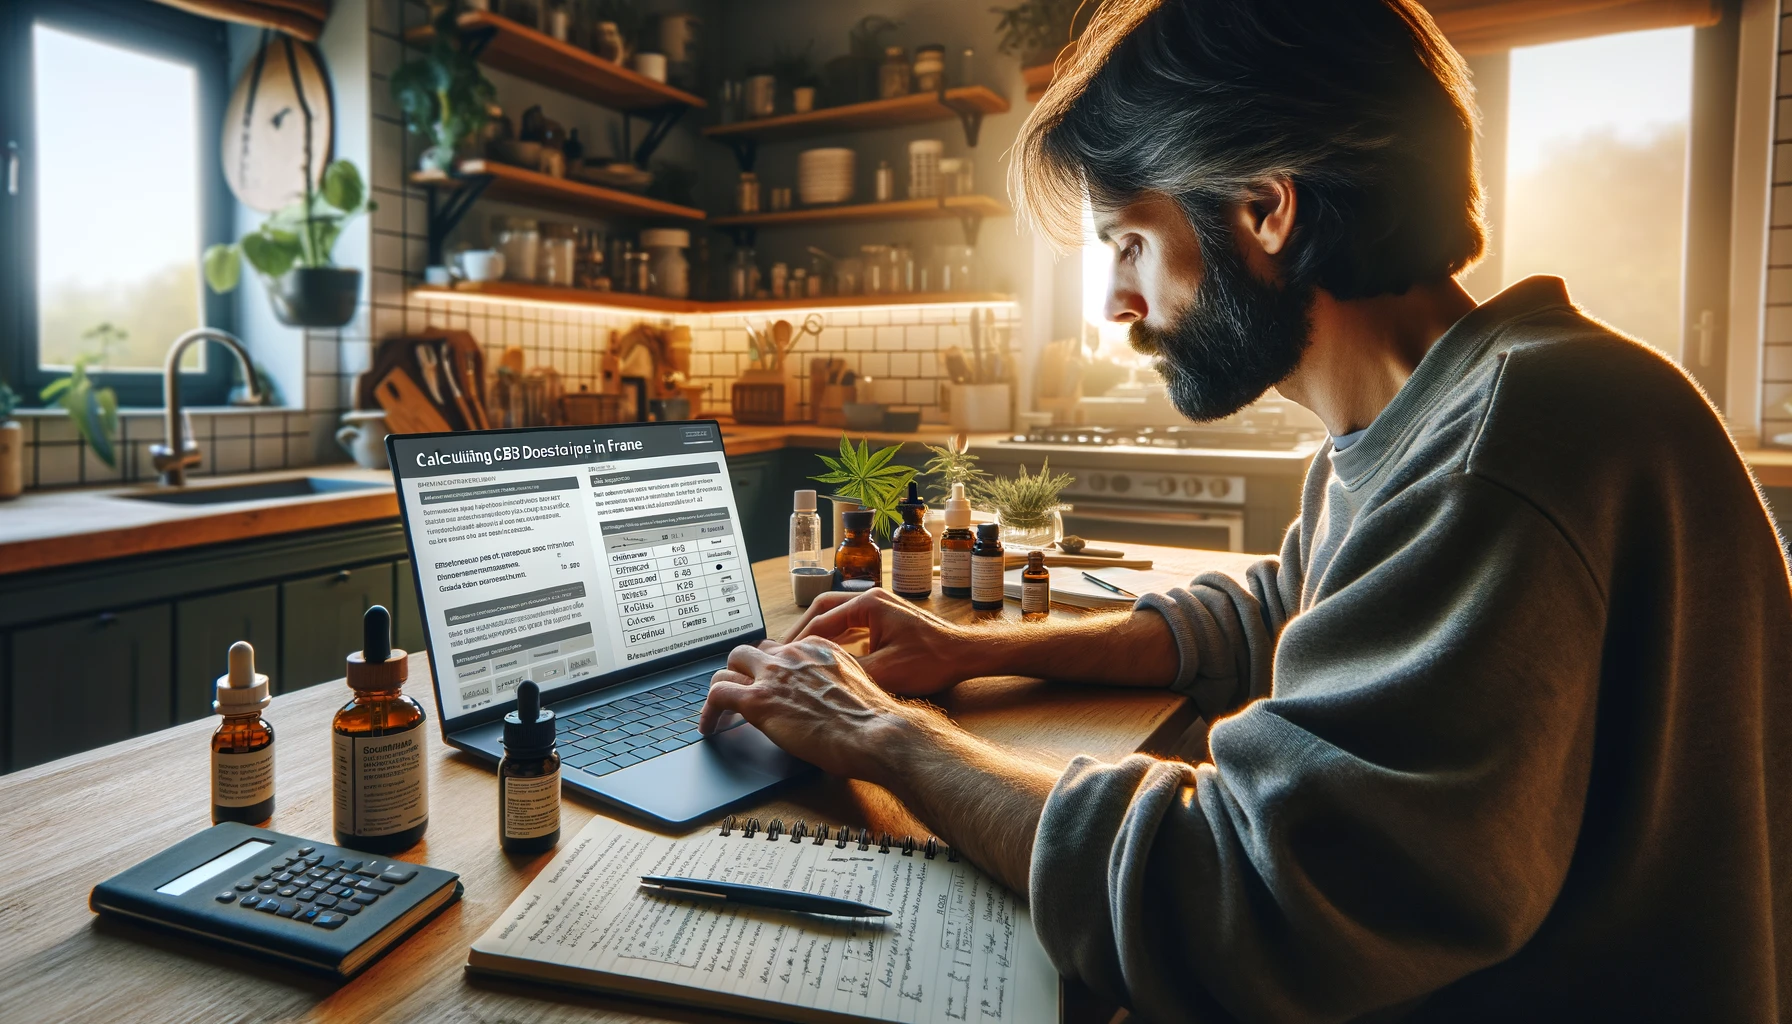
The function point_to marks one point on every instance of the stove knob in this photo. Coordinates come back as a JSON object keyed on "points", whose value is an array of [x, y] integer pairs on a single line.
{"points": [[1166, 486], [1121, 483], [1192, 487], [1098, 483], [1219, 487]]}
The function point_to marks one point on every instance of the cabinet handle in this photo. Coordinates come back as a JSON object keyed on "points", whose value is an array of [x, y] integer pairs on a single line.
{"points": [[343, 576]]}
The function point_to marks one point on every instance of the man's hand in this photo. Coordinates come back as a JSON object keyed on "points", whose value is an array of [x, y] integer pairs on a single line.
{"points": [[912, 652], [813, 699]]}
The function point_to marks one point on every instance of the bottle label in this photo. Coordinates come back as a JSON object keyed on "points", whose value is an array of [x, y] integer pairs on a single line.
{"points": [[912, 572], [243, 780], [382, 783], [531, 806], [955, 569], [1035, 596], [986, 578]]}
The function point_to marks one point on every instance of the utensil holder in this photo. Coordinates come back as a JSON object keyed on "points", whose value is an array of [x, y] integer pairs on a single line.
{"points": [[764, 397], [981, 407]]}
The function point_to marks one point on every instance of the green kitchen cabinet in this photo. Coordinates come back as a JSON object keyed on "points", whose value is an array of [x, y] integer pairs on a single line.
{"points": [[320, 622], [753, 478], [89, 680], [204, 629], [407, 611]]}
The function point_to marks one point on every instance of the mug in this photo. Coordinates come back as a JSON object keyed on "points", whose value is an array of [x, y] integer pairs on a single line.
{"points": [[479, 264], [363, 437], [651, 65], [802, 99], [761, 96]]}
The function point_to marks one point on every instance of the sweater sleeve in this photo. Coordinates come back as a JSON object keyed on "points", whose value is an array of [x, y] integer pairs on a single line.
{"points": [[1400, 812], [1226, 631]]}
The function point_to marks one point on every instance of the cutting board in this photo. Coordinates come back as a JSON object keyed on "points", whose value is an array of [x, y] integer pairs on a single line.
{"points": [[408, 409]]}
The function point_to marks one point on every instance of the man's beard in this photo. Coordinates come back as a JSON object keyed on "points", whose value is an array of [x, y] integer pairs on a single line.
{"points": [[1239, 337]]}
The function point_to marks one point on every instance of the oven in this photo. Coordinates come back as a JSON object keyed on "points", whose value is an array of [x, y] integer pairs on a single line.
{"points": [[1143, 523]]}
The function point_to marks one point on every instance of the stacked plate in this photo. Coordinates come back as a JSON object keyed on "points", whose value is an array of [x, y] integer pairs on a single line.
{"points": [[824, 175]]}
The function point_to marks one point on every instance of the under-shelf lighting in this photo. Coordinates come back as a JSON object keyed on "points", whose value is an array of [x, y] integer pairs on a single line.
{"points": [[785, 312]]}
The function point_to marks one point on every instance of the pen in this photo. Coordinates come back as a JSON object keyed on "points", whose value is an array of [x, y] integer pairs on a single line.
{"points": [[758, 896], [1105, 585]]}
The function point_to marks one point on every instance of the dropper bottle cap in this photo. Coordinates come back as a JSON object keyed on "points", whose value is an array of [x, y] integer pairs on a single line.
{"points": [[912, 505], [529, 730], [242, 689], [958, 509], [805, 501], [377, 665]]}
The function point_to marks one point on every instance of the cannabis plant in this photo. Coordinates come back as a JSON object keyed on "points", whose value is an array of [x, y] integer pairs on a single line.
{"points": [[867, 477], [1035, 30], [952, 465], [1024, 502]]}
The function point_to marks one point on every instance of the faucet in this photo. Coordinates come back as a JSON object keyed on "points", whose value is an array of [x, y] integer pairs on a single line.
{"points": [[177, 452]]}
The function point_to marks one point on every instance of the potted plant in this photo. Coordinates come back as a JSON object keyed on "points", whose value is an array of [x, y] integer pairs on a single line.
{"points": [[1036, 30], [93, 411], [1027, 506], [442, 93], [953, 464], [12, 446], [291, 250], [866, 479]]}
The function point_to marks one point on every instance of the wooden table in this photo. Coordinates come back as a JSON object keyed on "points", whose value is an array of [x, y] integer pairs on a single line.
{"points": [[69, 824]]}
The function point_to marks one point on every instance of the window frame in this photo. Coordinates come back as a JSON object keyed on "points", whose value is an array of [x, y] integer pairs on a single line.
{"points": [[147, 27]]}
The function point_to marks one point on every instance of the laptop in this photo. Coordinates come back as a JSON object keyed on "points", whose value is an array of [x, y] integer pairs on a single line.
{"points": [[608, 565]]}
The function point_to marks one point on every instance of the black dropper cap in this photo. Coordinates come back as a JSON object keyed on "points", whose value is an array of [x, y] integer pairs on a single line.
{"points": [[989, 533], [376, 634], [377, 665], [912, 508], [529, 730]]}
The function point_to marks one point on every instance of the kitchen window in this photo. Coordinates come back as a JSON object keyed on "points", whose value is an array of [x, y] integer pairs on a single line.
{"points": [[112, 189]]}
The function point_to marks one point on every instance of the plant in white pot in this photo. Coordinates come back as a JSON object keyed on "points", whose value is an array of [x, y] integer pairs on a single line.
{"points": [[12, 446], [442, 92], [292, 251]]}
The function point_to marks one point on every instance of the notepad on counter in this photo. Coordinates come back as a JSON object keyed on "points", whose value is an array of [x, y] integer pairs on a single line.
{"points": [[1070, 588], [957, 946]]}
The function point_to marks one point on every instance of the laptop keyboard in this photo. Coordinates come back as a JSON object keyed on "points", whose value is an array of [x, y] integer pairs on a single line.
{"points": [[610, 737]]}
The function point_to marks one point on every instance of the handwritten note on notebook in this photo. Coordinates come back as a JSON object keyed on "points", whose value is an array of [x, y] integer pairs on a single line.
{"points": [[957, 946]]}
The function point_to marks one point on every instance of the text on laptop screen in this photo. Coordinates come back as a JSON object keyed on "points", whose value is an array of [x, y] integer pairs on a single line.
{"points": [[568, 554]]}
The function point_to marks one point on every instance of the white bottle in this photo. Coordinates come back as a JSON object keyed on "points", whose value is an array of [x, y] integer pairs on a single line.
{"points": [[955, 546], [243, 746], [808, 577]]}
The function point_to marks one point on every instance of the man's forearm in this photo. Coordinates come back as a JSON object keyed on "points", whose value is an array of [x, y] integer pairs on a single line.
{"points": [[1131, 648], [983, 800]]}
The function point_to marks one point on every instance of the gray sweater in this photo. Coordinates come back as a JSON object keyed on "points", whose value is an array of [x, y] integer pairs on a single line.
{"points": [[1505, 733]]}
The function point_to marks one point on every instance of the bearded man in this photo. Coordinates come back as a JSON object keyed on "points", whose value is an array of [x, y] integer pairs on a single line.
{"points": [[1503, 731]]}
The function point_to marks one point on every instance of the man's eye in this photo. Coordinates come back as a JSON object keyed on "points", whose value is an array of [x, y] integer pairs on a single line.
{"points": [[1129, 252]]}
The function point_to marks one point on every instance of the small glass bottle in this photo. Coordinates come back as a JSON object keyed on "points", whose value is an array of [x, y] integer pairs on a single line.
{"points": [[529, 777], [894, 74], [884, 184], [987, 568], [955, 546], [858, 556], [808, 577], [243, 746], [380, 765], [1035, 589], [911, 568]]}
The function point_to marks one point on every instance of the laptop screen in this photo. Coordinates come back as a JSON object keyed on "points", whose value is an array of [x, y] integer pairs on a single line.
{"points": [[568, 554]]}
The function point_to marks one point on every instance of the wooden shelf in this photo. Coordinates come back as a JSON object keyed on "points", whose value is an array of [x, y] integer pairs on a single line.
{"points": [[517, 185], [526, 53], [515, 290], [949, 208], [1037, 78], [919, 108]]}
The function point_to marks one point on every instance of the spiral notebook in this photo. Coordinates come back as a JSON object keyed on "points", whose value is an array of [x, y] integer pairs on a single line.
{"points": [[957, 947]]}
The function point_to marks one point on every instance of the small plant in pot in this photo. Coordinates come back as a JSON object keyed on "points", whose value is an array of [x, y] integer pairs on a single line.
{"points": [[1027, 506], [442, 93], [867, 479], [291, 250], [92, 410]]}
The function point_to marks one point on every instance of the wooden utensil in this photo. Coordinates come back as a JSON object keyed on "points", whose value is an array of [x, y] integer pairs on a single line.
{"points": [[781, 342], [408, 409], [445, 358]]}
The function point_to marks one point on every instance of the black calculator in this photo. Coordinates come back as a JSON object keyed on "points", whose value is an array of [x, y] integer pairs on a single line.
{"points": [[309, 903]]}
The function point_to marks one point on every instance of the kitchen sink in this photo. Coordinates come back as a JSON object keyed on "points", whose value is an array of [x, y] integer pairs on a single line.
{"points": [[296, 487]]}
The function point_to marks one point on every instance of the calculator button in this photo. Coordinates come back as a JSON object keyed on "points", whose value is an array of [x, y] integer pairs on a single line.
{"points": [[332, 878], [326, 901], [398, 875], [314, 860], [373, 885], [329, 920], [308, 915], [245, 886], [347, 865], [344, 891], [365, 898], [268, 905], [287, 891], [225, 897], [283, 877], [250, 902], [348, 907], [264, 874], [307, 895], [306, 850], [266, 887], [287, 908], [315, 873]]}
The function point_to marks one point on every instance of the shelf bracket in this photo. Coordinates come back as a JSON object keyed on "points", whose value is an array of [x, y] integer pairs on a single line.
{"points": [[970, 222], [746, 152], [444, 214], [659, 125], [968, 116]]}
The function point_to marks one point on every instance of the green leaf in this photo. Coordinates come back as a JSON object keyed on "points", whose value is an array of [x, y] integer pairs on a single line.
{"points": [[223, 267], [54, 388], [91, 422], [342, 186], [271, 252]]}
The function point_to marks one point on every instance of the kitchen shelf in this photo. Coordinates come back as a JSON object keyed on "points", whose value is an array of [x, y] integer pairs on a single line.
{"points": [[514, 290], [968, 210], [526, 53], [968, 103], [531, 188]]}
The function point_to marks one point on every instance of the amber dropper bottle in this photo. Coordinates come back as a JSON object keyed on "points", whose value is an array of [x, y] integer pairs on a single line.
{"points": [[858, 556], [1035, 589], [243, 746], [987, 566], [529, 777], [380, 756], [955, 546], [911, 571]]}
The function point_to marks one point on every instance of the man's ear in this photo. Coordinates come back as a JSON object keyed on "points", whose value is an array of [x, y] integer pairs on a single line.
{"points": [[1268, 215]]}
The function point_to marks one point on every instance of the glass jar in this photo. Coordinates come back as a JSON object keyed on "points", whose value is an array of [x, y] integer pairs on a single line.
{"points": [[780, 280], [894, 75], [849, 276], [952, 268], [902, 268], [746, 195], [588, 265], [1033, 535], [639, 272], [559, 254], [930, 68], [743, 275], [877, 279], [665, 248], [519, 239], [924, 168]]}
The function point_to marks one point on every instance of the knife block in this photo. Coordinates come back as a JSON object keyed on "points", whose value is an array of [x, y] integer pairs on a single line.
{"points": [[766, 397]]}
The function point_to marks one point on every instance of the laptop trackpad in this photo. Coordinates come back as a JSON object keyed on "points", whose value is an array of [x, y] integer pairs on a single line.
{"points": [[695, 781]]}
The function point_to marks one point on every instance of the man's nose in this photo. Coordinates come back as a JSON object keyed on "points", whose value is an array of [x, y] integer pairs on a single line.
{"points": [[1124, 305]]}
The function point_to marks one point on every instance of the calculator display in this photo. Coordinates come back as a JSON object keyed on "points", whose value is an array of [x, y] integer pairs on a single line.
{"points": [[217, 865]]}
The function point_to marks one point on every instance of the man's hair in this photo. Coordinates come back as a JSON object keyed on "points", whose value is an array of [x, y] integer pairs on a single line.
{"points": [[1361, 103]]}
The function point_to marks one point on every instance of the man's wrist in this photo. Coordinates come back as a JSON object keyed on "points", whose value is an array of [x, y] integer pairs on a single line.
{"points": [[904, 735]]}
